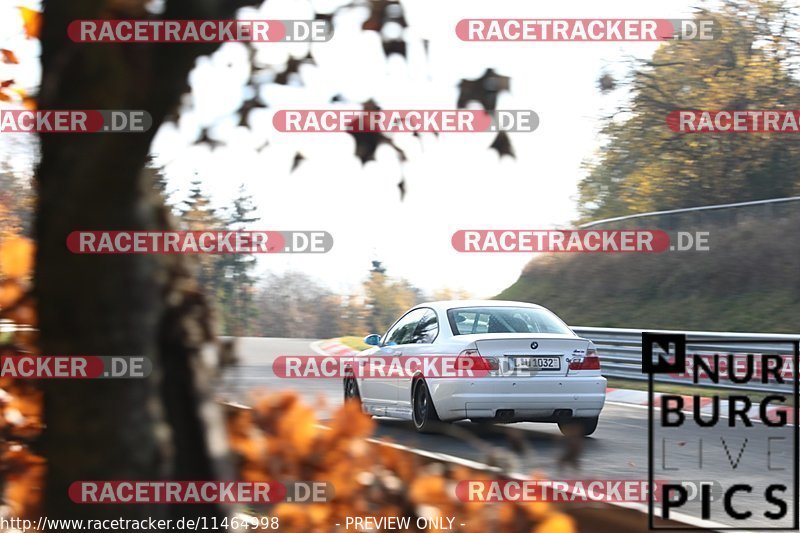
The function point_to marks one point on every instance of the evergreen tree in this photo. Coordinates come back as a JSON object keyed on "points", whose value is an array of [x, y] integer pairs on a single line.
{"points": [[238, 281], [196, 214]]}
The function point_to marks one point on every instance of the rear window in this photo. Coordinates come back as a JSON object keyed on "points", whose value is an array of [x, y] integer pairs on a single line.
{"points": [[469, 320]]}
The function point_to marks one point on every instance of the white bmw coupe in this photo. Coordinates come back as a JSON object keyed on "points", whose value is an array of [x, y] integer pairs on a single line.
{"points": [[534, 368]]}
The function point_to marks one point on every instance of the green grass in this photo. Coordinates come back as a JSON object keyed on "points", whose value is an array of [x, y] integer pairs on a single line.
{"points": [[356, 343]]}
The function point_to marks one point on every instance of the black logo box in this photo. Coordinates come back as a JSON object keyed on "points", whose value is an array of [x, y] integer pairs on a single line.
{"points": [[665, 340]]}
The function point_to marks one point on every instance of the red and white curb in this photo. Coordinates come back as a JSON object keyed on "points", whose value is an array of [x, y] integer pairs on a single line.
{"points": [[332, 347], [639, 397]]}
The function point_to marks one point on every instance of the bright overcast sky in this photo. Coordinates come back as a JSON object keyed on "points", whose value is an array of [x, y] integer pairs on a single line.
{"points": [[453, 181]]}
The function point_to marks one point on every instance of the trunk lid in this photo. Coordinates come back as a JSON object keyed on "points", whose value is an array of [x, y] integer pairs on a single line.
{"points": [[527, 355]]}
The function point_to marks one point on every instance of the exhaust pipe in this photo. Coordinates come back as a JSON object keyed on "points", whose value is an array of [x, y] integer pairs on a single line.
{"points": [[562, 414], [504, 414]]}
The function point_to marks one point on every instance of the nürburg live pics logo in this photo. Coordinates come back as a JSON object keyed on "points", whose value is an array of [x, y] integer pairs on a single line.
{"points": [[725, 409]]}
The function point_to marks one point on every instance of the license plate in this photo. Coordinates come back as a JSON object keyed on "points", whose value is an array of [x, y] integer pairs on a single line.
{"points": [[537, 363]]}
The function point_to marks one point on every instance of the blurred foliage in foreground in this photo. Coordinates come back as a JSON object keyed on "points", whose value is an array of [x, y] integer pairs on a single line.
{"points": [[21, 469], [280, 440], [748, 281]]}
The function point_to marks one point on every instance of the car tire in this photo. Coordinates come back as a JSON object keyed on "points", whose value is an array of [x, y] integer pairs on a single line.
{"points": [[423, 413], [351, 392], [582, 427]]}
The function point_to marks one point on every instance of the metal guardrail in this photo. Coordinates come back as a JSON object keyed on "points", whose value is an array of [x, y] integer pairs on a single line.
{"points": [[728, 214], [620, 353]]}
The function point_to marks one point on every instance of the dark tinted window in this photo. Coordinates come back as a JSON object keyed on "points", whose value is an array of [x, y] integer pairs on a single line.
{"points": [[427, 329], [468, 320], [403, 331]]}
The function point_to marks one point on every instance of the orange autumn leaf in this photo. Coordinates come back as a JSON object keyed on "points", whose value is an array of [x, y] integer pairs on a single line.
{"points": [[318, 513], [9, 56], [10, 292], [349, 421], [556, 523], [29, 103], [32, 21], [299, 427], [536, 510], [507, 513], [16, 257], [24, 482], [429, 490]]}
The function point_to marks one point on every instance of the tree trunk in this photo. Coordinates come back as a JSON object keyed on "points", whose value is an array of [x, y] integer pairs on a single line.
{"points": [[143, 429]]}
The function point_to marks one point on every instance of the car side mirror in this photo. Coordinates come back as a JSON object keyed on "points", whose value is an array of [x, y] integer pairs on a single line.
{"points": [[373, 340]]}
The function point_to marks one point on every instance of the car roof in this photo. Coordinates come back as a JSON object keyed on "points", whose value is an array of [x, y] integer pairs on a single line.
{"points": [[444, 305]]}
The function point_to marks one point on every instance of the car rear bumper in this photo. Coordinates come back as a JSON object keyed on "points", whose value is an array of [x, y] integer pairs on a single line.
{"points": [[538, 398]]}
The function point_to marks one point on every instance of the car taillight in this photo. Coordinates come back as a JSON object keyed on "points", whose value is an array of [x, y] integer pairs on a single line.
{"points": [[590, 362], [471, 359]]}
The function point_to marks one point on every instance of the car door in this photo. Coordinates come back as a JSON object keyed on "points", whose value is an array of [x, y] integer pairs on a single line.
{"points": [[420, 344], [382, 391]]}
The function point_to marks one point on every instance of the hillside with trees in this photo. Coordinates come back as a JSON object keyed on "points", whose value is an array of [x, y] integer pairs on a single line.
{"points": [[748, 280], [644, 166]]}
